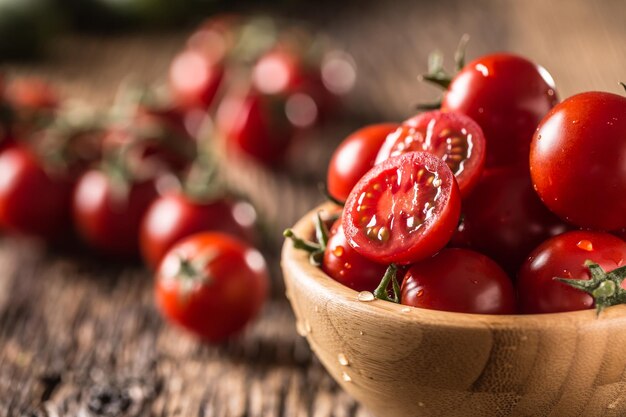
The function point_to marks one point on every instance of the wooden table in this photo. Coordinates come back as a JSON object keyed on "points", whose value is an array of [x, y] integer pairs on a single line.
{"points": [[80, 337]]}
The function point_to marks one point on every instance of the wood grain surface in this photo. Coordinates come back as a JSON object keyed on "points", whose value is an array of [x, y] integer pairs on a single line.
{"points": [[80, 337]]}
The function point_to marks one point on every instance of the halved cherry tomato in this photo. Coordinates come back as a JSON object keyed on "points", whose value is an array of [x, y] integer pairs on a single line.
{"points": [[577, 160], [354, 157], [212, 285], [459, 280], [33, 201], [175, 216], [453, 137], [564, 256], [507, 95], [403, 210], [347, 266], [504, 219], [108, 214]]}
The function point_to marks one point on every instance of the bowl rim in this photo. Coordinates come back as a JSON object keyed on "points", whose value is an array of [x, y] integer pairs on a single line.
{"points": [[316, 280]]}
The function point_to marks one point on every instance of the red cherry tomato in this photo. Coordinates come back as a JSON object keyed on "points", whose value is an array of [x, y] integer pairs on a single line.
{"points": [[354, 157], [31, 93], [507, 96], [403, 210], [453, 137], [504, 219], [564, 256], [108, 214], [256, 126], [33, 201], [576, 160], [212, 285], [459, 280], [175, 216], [345, 265], [194, 79]]}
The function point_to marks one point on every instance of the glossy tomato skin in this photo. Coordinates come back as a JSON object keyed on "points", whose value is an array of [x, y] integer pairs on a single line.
{"points": [[459, 280], [255, 125], [354, 157], [33, 201], [347, 266], [174, 216], [403, 210], [504, 219], [564, 256], [453, 137], [576, 160], [195, 79], [108, 217], [230, 291], [507, 95]]}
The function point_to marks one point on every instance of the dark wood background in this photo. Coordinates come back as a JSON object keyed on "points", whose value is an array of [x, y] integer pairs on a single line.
{"points": [[80, 337]]}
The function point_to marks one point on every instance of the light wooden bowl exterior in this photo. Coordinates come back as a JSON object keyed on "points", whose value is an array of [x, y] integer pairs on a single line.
{"points": [[407, 362]]}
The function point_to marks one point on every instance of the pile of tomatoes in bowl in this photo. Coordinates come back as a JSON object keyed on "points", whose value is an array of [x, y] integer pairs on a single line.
{"points": [[501, 200]]}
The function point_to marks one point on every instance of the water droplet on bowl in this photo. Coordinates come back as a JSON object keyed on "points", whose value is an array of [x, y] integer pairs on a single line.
{"points": [[406, 309], [365, 296], [343, 360], [346, 377]]}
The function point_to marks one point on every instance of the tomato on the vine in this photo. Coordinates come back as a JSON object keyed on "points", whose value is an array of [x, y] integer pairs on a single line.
{"points": [[576, 160], [453, 137], [175, 216], [507, 95], [195, 79], [212, 285], [347, 266], [32, 200], [403, 210], [565, 256], [107, 211], [459, 280], [354, 157], [504, 219]]}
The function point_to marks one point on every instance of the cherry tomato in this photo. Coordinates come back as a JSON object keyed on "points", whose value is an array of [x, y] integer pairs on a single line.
{"points": [[108, 213], [453, 137], [32, 200], [504, 219], [564, 256], [576, 160], [212, 285], [459, 280], [403, 210], [195, 78], [175, 216], [32, 93], [507, 96], [255, 125], [354, 157], [345, 265]]}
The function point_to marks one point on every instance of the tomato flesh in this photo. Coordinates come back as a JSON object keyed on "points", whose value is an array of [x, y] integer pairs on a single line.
{"points": [[459, 280], [564, 256], [403, 210], [453, 137]]}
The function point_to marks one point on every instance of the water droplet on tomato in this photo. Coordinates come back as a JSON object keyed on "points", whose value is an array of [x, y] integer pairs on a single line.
{"points": [[585, 245], [420, 293], [365, 296], [343, 360], [347, 265], [338, 251]]}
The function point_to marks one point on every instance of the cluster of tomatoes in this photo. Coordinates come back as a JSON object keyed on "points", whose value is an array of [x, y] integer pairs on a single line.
{"points": [[140, 178], [502, 201]]}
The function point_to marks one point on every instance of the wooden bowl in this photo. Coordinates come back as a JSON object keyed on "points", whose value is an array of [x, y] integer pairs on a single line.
{"points": [[402, 361]]}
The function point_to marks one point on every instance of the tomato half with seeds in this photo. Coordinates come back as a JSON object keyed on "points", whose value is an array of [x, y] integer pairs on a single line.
{"points": [[354, 157], [453, 137], [577, 160], [403, 210], [507, 95], [459, 280], [212, 285], [564, 256], [347, 266]]}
